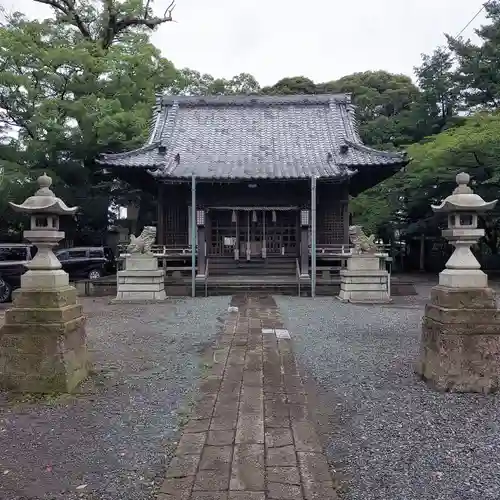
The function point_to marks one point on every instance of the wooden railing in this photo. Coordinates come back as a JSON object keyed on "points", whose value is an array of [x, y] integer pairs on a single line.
{"points": [[160, 251]]}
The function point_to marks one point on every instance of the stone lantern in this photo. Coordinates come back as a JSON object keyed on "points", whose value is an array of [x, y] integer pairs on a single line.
{"points": [[460, 344], [463, 207], [43, 341]]}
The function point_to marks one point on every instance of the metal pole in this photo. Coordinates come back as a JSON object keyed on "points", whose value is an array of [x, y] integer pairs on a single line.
{"points": [[313, 236], [193, 236]]}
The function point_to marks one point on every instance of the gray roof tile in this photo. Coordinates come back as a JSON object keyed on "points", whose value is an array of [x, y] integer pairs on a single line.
{"points": [[253, 137]]}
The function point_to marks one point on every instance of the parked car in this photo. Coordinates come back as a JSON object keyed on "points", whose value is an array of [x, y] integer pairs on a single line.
{"points": [[13, 260], [87, 262]]}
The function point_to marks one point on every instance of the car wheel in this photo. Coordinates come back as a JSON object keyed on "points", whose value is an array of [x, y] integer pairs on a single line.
{"points": [[5, 291], [95, 274]]}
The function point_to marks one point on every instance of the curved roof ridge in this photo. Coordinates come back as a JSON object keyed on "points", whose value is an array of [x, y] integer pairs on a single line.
{"points": [[255, 99], [126, 154], [377, 152]]}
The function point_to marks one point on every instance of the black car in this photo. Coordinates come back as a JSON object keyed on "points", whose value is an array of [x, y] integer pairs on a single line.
{"points": [[13, 260], [87, 262]]}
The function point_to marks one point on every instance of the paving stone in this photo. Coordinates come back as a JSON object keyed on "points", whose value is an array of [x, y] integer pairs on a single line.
{"points": [[299, 413], [314, 467], [276, 413], [225, 423], [178, 488], [250, 429], [183, 465], [319, 491], [216, 457], [209, 495], [247, 471], [246, 495], [211, 480], [305, 437], [278, 437], [220, 438], [197, 425], [191, 443], [283, 456], [280, 491], [252, 378], [288, 475]]}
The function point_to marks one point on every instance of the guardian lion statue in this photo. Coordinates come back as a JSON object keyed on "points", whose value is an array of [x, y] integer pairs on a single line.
{"points": [[142, 244], [361, 242]]}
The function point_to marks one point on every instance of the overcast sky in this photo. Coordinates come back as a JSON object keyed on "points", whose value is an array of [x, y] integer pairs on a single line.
{"points": [[320, 39]]}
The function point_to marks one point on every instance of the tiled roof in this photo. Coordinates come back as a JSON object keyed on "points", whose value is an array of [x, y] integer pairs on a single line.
{"points": [[234, 137]]}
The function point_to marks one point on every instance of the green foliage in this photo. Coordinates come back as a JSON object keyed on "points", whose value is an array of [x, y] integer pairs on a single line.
{"points": [[72, 92], [478, 68], [404, 200]]}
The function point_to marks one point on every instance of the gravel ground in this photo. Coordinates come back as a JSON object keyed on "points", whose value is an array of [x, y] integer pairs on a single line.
{"points": [[389, 436], [116, 436]]}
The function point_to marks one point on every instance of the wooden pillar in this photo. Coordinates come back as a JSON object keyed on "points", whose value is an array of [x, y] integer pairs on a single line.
{"points": [[201, 250], [304, 251], [161, 236]]}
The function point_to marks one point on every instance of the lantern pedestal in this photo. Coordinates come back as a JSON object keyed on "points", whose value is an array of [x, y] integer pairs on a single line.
{"points": [[141, 280], [460, 343], [43, 341], [365, 280]]}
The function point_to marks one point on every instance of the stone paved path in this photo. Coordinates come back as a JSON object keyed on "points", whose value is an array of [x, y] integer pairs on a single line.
{"points": [[250, 437]]}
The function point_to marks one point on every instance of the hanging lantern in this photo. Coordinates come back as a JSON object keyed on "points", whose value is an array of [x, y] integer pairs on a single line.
{"points": [[254, 216], [233, 217], [274, 215]]}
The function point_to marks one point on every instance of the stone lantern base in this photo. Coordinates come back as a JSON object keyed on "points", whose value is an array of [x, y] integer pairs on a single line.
{"points": [[43, 342], [460, 345]]}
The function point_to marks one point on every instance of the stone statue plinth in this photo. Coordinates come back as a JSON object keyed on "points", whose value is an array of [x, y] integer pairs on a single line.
{"points": [[141, 280], [43, 341], [365, 280], [460, 343]]}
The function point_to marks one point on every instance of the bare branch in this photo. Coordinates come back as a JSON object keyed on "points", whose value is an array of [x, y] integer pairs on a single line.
{"points": [[67, 7], [116, 27]]}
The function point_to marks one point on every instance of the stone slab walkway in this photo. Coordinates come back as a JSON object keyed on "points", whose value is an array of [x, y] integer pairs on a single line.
{"points": [[250, 436]]}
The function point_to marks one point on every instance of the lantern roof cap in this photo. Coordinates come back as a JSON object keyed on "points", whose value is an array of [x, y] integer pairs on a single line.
{"points": [[44, 201], [463, 198]]}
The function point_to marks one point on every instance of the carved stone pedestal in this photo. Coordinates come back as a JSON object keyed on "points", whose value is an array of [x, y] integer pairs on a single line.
{"points": [[141, 281], [460, 346], [43, 343], [364, 281]]}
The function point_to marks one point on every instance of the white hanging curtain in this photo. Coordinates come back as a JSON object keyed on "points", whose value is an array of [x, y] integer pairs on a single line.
{"points": [[254, 216]]}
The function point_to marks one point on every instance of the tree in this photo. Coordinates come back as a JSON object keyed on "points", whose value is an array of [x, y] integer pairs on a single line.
{"points": [[76, 85], [383, 106], [404, 200], [478, 66], [292, 85], [193, 83], [439, 99]]}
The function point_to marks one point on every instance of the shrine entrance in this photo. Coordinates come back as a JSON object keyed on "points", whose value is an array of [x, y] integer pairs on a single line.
{"points": [[253, 233]]}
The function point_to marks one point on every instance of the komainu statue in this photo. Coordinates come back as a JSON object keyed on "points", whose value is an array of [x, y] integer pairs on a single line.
{"points": [[361, 242], [144, 242]]}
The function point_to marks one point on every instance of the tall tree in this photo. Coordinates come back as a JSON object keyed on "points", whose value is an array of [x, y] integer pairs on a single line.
{"points": [[439, 99], [77, 84], [478, 66], [383, 105]]}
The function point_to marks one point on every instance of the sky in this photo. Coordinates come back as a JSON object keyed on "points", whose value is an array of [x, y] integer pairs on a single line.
{"points": [[320, 39]]}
